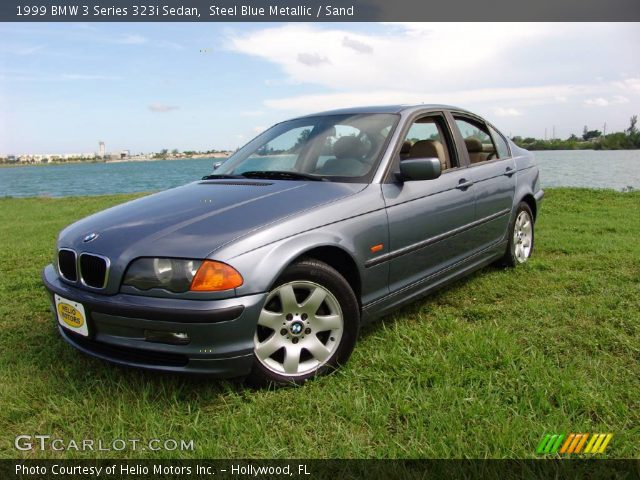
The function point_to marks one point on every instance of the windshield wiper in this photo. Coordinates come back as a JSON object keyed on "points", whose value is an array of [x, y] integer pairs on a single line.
{"points": [[219, 176], [282, 175]]}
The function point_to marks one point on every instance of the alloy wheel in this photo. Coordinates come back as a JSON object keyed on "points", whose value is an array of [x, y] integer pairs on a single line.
{"points": [[523, 236], [299, 328]]}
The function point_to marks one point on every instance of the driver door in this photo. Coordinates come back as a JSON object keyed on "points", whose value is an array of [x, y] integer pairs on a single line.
{"points": [[427, 218]]}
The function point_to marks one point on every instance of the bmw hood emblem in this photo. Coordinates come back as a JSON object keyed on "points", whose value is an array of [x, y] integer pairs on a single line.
{"points": [[90, 238]]}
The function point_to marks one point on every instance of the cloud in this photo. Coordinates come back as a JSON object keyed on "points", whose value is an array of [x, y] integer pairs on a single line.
{"points": [[357, 45], [21, 49], [92, 33], [170, 45], [130, 39], [520, 96], [161, 108], [26, 76], [437, 63], [619, 99], [82, 76], [629, 84], [507, 112], [259, 129], [312, 59], [525, 75], [407, 56], [597, 102], [603, 102]]}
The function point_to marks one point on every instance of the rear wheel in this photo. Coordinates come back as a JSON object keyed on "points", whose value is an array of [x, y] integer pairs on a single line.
{"points": [[521, 237], [308, 325]]}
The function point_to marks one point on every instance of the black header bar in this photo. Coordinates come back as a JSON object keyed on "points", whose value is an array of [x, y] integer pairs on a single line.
{"points": [[319, 469], [318, 10]]}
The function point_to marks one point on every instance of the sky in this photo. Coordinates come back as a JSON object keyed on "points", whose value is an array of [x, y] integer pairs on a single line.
{"points": [[198, 86]]}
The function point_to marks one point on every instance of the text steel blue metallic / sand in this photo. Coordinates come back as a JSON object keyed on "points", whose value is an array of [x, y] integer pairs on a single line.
{"points": [[268, 267]]}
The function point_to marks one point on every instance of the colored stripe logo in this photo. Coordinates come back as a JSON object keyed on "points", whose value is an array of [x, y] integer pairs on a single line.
{"points": [[574, 443]]}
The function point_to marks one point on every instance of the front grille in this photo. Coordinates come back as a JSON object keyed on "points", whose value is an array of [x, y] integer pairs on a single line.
{"points": [[93, 270], [67, 264], [128, 354]]}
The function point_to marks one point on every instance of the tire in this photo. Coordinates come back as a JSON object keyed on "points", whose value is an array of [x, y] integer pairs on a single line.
{"points": [[308, 326], [521, 237]]}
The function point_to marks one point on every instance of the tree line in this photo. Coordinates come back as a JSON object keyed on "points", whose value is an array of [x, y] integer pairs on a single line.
{"points": [[629, 139]]}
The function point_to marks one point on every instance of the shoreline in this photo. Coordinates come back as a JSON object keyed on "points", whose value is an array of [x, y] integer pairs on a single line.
{"points": [[151, 159], [123, 160]]}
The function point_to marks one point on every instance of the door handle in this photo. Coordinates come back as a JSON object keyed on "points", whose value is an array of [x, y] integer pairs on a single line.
{"points": [[463, 184], [509, 171]]}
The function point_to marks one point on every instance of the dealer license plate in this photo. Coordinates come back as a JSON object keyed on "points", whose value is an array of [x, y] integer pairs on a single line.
{"points": [[71, 315]]}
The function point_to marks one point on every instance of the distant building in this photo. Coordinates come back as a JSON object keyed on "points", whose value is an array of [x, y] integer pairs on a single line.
{"points": [[102, 151], [32, 158], [125, 154]]}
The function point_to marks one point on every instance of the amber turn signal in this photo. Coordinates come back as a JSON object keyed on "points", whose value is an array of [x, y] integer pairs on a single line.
{"points": [[376, 248], [215, 276]]}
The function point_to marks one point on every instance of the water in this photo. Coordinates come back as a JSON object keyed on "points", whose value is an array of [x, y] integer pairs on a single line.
{"points": [[101, 178], [617, 169], [568, 168]]}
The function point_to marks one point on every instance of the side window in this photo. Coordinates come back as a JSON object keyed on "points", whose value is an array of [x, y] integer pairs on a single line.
{"points": [[477, 139], [500, 143], [427, 138]]}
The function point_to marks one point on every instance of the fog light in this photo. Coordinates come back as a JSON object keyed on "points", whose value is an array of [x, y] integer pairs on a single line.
{"points": [[173, 338]]}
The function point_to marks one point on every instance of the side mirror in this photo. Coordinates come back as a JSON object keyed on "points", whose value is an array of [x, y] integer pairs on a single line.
{"points": [[420, 168], [216, 165]]}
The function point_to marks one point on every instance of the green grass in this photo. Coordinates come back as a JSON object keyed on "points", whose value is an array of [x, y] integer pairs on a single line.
{"points": [[482, 369]]}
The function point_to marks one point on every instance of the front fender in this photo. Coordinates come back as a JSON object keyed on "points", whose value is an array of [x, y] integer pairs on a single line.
{"points": [[261, 267], [264, 265]]}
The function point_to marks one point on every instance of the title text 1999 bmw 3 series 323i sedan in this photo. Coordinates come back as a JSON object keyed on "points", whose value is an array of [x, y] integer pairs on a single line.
{"points": [[268, 267]]}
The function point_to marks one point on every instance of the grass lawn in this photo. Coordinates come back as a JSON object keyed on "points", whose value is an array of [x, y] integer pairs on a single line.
{"points": [[482, 369]]}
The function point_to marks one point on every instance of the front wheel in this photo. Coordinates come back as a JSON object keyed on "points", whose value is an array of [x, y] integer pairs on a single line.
{"points": [[307, 327], [521, 237]]}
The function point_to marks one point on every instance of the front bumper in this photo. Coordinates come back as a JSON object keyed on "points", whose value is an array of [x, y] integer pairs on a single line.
{"points": [[220, 331]]}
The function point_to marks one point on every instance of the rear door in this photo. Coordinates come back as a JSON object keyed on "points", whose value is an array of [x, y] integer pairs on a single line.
{"points": [[427, 218], [492, 170]]}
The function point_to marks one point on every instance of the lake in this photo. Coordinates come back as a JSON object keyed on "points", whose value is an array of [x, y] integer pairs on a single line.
{"points": [[617, 169], [568, 168]]}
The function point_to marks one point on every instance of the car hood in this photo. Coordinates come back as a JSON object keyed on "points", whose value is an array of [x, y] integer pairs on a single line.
{"points": [[193, 220]]}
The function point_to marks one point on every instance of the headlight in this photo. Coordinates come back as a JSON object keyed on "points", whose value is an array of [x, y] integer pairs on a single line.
{"points": [[180, 276]]}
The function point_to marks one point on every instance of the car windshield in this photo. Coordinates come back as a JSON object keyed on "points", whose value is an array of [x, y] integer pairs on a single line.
{"points": [[339, 148]]}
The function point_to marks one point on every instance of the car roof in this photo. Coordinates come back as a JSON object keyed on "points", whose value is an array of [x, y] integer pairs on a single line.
{"points": [[384, 109]]}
